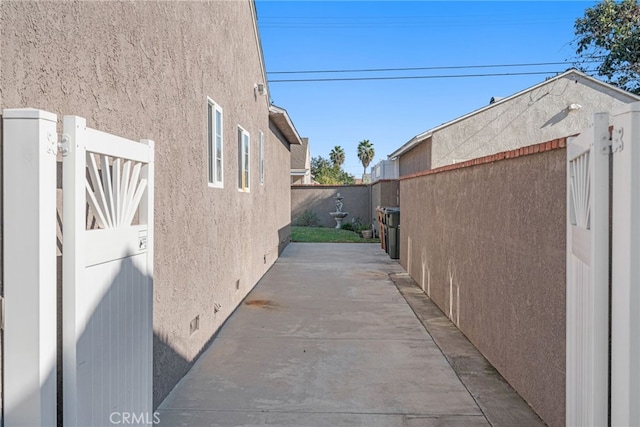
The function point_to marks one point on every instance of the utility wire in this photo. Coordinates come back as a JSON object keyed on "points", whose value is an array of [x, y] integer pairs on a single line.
{"points": [[414, 77], [405, 21], [451, 67]]}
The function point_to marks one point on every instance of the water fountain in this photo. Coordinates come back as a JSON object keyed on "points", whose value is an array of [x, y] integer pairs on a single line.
{"points": [[338, 215]]}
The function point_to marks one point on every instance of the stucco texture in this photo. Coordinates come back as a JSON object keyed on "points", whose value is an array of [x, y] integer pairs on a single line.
{"points": [[540, 114], [383, 193], [320, 199], [417, 159], [145, 70], [487, 244]]}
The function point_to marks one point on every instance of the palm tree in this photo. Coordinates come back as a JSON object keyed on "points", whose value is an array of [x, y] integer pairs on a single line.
{"points": [[365, 154], [337, 156]]}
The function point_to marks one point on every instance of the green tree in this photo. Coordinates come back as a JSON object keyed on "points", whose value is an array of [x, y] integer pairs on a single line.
{"points": [[319, 166], [609, 33], [366, 154], [337, 156], [325, 172]]}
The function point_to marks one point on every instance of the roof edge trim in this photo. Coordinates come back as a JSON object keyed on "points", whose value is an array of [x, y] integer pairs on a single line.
{"points": [[281, 119]]}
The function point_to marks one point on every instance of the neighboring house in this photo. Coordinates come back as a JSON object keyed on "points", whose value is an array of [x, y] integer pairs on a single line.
{"points": [[191, 77], [301, 163], [385, 169], [558, 107]]}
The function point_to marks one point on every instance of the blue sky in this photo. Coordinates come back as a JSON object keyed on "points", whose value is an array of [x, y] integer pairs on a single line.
{"points": [[357, 35]]}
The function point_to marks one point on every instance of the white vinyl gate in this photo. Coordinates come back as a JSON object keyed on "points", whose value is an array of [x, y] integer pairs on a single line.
{"points": [[591, 214], [107, 276], [107, 233], [587, 275]]}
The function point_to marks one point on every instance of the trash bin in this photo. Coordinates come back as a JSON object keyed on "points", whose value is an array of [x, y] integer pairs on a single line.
{"points": [[385, 231], [393, 217], [394, 242], [381, 216], [393, 232]]}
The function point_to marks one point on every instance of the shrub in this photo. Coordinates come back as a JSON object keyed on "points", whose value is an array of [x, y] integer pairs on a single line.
{"points": [[307, 218], [347, 226], [358, 225]]}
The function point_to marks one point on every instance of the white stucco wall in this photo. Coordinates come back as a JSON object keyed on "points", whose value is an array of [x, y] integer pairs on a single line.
{"points": [[532, 117]]}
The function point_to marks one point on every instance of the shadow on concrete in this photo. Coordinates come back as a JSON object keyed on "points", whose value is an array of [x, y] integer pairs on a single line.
{"points": [[169, 366], [498, 401]]}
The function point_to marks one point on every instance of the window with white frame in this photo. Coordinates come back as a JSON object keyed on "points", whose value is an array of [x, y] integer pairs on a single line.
{"points": [[243, 159], [261, 170], [214, 144]]}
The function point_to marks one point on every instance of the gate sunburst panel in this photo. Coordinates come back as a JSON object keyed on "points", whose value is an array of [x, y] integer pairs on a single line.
{"points": [[580, 192], [114, 189]]}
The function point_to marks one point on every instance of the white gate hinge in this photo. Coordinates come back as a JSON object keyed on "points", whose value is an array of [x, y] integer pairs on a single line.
{"points": [[618, 144], [64, 144]]}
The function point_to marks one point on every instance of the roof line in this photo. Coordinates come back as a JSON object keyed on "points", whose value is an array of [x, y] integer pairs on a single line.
{"points": [[263, 68], [427, 134], [291, 133]]}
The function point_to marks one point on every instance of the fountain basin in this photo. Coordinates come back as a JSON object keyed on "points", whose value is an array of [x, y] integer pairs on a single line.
{"points": [[338, 216]]}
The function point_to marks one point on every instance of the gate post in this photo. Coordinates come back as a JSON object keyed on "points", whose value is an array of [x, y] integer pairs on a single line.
{"points": [[625, 290], [29, 247]]}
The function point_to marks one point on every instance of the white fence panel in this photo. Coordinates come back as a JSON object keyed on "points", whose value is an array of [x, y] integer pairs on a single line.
{"points": [[107, 277], [29, 247], [587, 276], [625, 289]]}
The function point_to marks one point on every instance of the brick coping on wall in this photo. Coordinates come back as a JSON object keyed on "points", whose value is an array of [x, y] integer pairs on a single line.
{"points": [[327, 185], [554, 144], [341, 185], [384, 180]]}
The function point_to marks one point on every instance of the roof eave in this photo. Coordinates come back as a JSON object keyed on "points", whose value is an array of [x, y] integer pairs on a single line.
{"points": [[281, 119], [410, 144]]}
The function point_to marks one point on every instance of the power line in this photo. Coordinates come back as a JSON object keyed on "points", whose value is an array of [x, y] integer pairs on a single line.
{"points": [[514, 15], [392, 21], [391, 26], [416, 77], [451, 67]]}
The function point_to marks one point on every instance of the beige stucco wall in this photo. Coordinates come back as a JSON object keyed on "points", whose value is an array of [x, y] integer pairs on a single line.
{"points": [[417, 159], [534, 116], [144, 70], [487, 244], [320, 199], [384, 193], [359, 200]]}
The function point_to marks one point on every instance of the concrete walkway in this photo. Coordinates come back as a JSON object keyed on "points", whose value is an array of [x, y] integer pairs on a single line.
{"points": [[329, 338]]}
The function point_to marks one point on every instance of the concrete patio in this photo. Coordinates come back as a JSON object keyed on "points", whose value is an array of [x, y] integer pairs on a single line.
{"points": [[338, 334]]}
